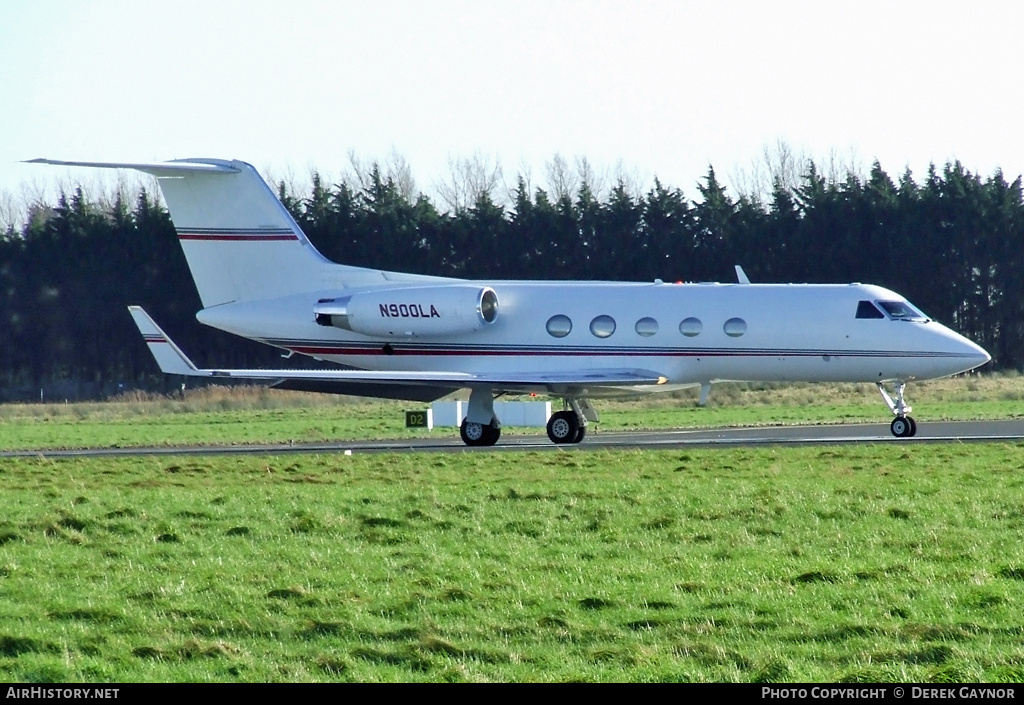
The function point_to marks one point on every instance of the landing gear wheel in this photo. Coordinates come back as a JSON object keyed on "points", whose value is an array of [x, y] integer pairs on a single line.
{"points": [[903, 427], [563, 427], [478, 434], [581, 433], [899, 427], [472, 433]]}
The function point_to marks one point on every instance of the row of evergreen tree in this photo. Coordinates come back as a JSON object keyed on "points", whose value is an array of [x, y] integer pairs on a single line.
{"points": [[952, 243]]}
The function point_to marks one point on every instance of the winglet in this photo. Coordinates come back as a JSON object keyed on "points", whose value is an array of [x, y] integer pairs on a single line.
{"points": [[169, 356]]}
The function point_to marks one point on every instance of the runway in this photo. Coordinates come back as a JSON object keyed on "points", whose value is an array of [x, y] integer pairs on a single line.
{"points": [[447, 441]]}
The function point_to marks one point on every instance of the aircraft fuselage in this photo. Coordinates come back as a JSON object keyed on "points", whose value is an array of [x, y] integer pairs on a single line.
{"points": [[689, 333]]}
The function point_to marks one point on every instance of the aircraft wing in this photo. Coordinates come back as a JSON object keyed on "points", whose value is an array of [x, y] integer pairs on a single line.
{"points": [[399, 384]]}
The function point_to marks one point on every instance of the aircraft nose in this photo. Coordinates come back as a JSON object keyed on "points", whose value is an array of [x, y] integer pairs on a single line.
{"points": [[972, 354], [980, 354]]}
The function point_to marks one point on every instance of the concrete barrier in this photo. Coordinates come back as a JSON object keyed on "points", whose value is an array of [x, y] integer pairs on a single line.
{"points": [[510, 413]]}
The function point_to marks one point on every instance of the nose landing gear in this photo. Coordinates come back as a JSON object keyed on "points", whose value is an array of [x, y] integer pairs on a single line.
{"points": [[903, 426]]}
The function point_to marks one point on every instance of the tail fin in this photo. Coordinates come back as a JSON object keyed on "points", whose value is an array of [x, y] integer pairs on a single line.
{"points": [[240, 241]]}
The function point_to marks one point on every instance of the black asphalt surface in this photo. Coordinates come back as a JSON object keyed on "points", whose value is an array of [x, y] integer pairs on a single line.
{"points": [[447, 440]]}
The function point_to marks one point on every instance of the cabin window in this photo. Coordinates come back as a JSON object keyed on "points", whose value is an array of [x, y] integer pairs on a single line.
{"points": [[902, 311], [602, 326], [866, 309], [691, 327], [559, 326], [735, 327], [646, 327]]}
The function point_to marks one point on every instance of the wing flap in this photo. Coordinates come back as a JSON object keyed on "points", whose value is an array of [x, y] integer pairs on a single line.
{"points": [[405, 392]]}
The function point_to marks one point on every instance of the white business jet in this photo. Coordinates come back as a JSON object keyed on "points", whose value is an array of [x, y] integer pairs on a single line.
{"points": [[420, 337]]}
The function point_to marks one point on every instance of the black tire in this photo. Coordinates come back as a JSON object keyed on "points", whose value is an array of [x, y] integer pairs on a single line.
{"points": [[473, 434], [477, 434], [581, 433], [913, 426], [902, 427], [563, 427]]}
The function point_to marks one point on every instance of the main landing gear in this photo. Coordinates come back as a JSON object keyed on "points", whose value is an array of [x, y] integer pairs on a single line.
{"points": [[480, 427], [570, 424], [564, 427], [903, 426], [478, 434]]}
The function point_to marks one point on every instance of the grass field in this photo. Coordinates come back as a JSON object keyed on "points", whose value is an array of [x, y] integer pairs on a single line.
{"points": [[852, 564], [846, 563], [253, 415]]}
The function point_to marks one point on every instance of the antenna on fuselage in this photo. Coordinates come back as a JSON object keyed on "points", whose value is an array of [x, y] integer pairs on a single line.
{"points": [[741, 276]]}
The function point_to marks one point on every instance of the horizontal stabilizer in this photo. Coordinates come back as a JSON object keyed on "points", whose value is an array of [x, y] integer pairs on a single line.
{"points": [[173, 168], [173, 361]]}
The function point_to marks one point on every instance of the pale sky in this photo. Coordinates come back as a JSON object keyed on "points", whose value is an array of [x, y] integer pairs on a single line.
{"points": [[662, 88]]}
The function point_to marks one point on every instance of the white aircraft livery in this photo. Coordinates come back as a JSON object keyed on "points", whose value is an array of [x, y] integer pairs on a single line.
{"points": [[420, 337]]}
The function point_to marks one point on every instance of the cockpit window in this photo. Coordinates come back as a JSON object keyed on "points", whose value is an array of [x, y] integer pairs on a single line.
{"points": [[902, 311], [866, 309]]}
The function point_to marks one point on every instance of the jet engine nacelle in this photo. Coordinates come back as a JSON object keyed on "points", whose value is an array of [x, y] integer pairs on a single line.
{"points": [[406, 311]]}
